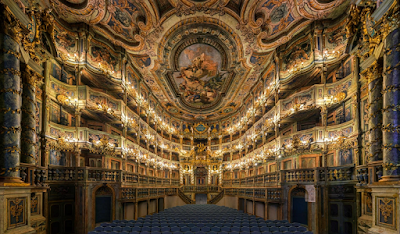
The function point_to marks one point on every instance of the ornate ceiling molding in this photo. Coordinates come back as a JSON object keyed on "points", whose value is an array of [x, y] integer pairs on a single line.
{"points": [[222, 47]]}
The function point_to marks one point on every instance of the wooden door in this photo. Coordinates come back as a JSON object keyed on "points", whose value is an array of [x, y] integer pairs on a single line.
{"points": [[62, 217], [342, 218]]}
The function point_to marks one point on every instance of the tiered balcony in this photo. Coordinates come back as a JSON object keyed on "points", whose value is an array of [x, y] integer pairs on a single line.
{"points": [[286, 111]]}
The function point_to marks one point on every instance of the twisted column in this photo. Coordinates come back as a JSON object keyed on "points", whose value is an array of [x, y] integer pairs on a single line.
{"points": [[374, 76], [10, 99], [28, 123], [391, 109]]}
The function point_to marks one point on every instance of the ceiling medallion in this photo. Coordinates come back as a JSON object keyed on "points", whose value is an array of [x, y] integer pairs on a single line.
{"points": [[200, 77], [200, 128]]}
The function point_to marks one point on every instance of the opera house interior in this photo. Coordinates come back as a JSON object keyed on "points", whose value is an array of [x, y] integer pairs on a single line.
{"points": [[200, 116]]}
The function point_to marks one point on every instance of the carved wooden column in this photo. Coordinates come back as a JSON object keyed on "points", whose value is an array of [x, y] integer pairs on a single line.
{"points": [[391, 108], [374, 77], [10, 92], [28, 119]]}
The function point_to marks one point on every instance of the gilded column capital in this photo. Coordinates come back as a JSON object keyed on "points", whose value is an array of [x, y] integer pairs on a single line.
{"points": [[373, 72], [30, 76]]}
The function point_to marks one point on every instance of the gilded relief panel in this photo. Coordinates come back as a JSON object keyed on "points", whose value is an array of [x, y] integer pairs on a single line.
{"points": [[386, 212], [16, 212], [367, 203], [35, 205]]}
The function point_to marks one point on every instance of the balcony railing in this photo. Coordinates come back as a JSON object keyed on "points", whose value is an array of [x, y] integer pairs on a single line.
{"points": [[200, 189], [76, 174], [270, 194], [33, 175], [300, 176]]}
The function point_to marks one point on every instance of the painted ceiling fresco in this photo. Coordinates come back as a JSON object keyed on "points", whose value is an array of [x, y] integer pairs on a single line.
{"points": [[199, 59], [200, 77]]}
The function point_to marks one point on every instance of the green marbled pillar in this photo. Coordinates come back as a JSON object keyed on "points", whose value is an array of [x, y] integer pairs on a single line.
{"points": [[28, 123], [10, 107], [391, 81], [375, 117]]}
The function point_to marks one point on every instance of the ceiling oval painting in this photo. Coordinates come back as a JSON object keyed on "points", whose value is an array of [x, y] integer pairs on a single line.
{"points": [[199, 76]]}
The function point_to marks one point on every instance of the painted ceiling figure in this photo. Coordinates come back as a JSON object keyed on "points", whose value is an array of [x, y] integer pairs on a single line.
{"points": [[202, 79]]}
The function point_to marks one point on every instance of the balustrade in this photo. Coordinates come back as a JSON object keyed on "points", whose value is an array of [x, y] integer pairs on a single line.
{"points": [[33, 175], [65, 174], [128, 193], [259, 193], [170, 191], [274, 194], [200, 189], [76, 174], [153, 192], [130, 177], [299, 176], [104, 175], [271, 194], [143, 192], [339, 174]]}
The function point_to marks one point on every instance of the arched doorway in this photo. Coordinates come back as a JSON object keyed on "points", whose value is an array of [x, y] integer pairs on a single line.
{"points": [[104, 197], [298, 206]]}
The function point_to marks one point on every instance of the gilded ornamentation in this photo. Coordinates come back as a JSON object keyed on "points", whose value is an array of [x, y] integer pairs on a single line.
{"points": [[103, 146], [62, 144], [200, 128], [368, 201], [62, 99], [353, 21], [47, 24], [183, 10], [15, 111], [340, 96], [385, 208], [10, 129], [35, 205], [369, 33], [11, 70], [17, 209], [14, 91], [6, 170], [13, 26], [389, 166], [29, 76], [16, 54]]}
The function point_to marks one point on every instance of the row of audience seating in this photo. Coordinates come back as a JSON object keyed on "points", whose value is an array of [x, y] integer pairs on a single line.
{"points": [[207, 219]]}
